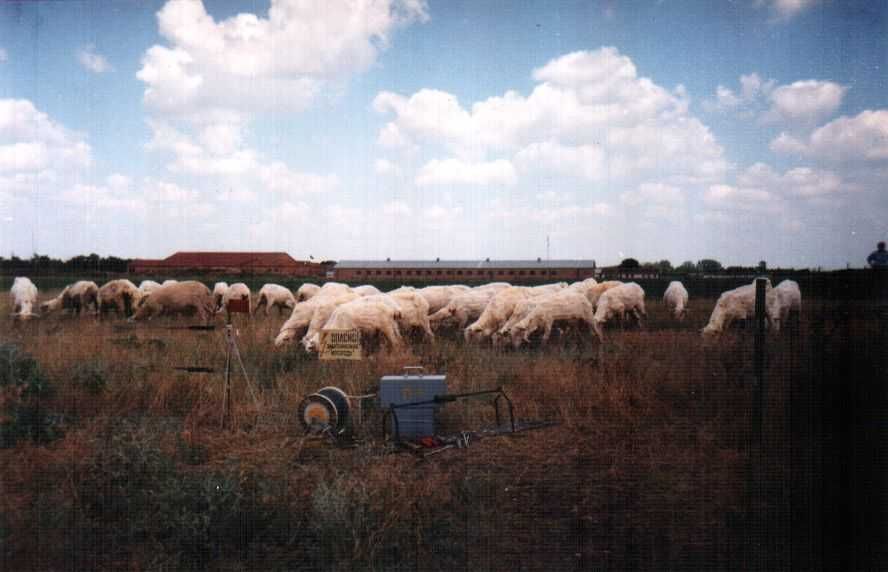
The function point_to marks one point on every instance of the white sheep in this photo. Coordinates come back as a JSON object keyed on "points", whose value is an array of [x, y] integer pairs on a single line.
{"points": [[24, 298], [81, 295], [676, 299], [170, 281], [567, 307], [237, 291], [736, 304], [616, 303], [463, 308], [120, 295], [593, 293], [306, 291], [496, 313], [322, 309], [414, 313], [439, 296], [366, 290], [297, 324], [219, 290], [370, 318], [185, 297], [275, 296], [786, 300], [146, 286]]}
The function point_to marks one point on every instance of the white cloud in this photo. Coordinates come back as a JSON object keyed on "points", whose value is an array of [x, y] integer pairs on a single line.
{"points": [[4, 56], [237, 63], [862, 138], [92, 61], [805, 182], [35, 149], [590, 116], [384, 167], [805, 101], [397, 209], [278, 177], [458, 172], [752, 88], [784, 10]]}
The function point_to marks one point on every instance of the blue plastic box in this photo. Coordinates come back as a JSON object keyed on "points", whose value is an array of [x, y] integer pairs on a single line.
{"points": [[416, 421]]}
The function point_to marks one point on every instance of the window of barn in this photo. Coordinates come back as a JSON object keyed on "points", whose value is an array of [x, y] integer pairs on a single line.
{"points": [[533, 272], [428, 272], [459, 272], [388, 272], [397, 272], [520, 273]]}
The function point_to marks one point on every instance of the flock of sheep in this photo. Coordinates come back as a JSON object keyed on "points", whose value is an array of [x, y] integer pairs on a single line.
{"points": [[498, 312]]}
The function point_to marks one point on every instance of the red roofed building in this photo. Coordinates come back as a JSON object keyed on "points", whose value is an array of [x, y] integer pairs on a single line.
{"points": [[229, 263]]}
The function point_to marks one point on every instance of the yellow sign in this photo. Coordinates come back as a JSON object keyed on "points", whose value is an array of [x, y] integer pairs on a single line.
{"points": [[341, 344]]}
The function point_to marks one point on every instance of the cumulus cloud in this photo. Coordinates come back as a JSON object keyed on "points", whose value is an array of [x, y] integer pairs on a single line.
{"points": [[589, 116], [861, 138], [458, 172], [236, 63], [34, 147], [92, 61], [752, 89], [385, 167], [805, 101]]}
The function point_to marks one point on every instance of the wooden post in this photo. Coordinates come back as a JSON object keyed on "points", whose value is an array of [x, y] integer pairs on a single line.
{"points": [[226, 405]]}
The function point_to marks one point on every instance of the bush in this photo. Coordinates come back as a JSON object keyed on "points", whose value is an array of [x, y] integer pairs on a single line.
{"points": [[90, 377], [24, 391]]}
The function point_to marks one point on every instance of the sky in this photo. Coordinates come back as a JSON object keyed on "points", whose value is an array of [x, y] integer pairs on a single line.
{"points": [[740, 130]]}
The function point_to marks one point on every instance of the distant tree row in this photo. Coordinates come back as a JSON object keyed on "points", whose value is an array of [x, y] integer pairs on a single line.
{"points": [[41, 264], [704, 266]]}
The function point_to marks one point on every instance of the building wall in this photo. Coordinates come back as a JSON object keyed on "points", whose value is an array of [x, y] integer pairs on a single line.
{"points": [[434, 275]]}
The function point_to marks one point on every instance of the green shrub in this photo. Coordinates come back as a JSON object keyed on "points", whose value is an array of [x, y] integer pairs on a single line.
{"points": [[26, 391]]}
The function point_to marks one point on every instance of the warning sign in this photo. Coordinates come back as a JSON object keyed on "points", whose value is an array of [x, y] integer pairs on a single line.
{"points": [[341, 344]]}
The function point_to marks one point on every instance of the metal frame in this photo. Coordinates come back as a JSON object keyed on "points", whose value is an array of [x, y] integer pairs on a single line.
{"points": [[391, 412]]}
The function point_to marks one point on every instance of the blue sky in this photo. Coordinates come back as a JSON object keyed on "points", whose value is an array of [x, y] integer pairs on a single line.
{"points": [[739, 130]]}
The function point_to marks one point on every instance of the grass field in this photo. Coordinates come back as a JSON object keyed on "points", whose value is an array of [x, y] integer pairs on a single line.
{"points": [[112, 459]]}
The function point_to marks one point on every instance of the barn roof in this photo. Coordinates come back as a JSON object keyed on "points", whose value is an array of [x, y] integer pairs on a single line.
{"points": [[224, 259], [464, 264]]}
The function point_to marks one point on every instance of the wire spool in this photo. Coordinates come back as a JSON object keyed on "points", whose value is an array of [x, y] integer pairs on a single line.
{"points": [[327, 408], [317, 412], [340, 400]]}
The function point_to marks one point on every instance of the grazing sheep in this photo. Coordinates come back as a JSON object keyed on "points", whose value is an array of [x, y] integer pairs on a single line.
{"points": [[372, 318], [299, 321], [275, 296], [168, 282], [306, 291], [237, 291], [521, 311], [187, 297], [786, 301], [593, 293], [493, 285], [736, 304], [24, 297], [366, 290], [120, 295], [617, 302], [463, 308], [584, 285], [219, 290], [414, 313], [567, 307], [439, 296], [147, 286], [676, 299], [323, 309], [81, 295], [496, 313]]}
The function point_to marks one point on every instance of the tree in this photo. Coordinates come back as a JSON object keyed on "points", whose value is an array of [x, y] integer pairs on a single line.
{"points": [[629, 263], [709, 266], [687, 267]]}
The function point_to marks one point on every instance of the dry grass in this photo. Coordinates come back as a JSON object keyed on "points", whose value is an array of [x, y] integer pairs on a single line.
{"points": [[648, 469]]}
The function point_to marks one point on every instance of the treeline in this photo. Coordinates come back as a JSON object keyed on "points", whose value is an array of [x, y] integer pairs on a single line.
{"points": [[704, 266], [40, 264]]}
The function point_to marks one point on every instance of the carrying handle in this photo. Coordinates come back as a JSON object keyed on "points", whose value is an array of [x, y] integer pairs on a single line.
{"points": [[408, 368]]}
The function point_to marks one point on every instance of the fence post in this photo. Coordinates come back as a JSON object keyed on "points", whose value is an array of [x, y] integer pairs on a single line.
{"points": [[759, 357]]}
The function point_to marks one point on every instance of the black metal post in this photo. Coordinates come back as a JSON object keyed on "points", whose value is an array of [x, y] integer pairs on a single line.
{"points": [[759, 363]]}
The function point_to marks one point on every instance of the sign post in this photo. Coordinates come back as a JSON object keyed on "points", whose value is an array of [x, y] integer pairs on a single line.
{"points": [[341, 345]]}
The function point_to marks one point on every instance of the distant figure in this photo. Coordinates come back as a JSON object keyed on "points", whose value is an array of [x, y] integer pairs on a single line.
{"points": [[879, 257]]}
